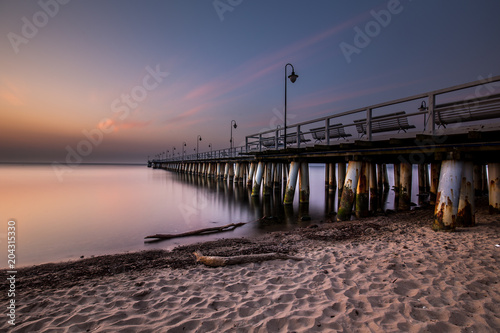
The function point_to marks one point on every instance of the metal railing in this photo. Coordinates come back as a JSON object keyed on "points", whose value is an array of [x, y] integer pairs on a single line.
{"points": [[415, 114], [421, 118]]}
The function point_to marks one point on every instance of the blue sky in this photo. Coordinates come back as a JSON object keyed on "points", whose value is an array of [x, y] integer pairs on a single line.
{"points": [[75, 71]]}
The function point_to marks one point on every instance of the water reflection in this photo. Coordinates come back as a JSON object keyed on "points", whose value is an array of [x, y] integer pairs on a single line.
{"points": [[109, 209]]}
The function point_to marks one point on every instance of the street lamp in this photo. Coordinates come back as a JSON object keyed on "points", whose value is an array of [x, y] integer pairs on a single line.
{"points": [[198, 138], [423, 107], [233, 124], [293, 77], [183, 150]]}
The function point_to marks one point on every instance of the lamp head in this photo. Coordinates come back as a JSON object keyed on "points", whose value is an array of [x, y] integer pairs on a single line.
{"points": [[293, 77], [423, 106]]}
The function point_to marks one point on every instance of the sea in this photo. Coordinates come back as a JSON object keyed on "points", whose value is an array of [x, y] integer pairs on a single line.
{"points": [[105, 209]]}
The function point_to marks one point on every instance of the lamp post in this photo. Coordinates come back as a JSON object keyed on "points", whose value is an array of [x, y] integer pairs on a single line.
{"points": [[210, 146], [423, 107], [198, 139], [293, 77], [183, 150], [173, 152], [233, 124]]}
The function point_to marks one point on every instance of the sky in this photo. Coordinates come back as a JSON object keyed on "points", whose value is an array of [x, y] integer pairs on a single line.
{"points": [[113, 81]]}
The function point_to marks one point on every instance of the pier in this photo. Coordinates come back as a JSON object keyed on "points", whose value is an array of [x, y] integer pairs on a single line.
{"points": [[452, 134]]}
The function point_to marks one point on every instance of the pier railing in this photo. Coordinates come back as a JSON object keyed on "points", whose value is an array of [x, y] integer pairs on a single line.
{"points": [[422, 113], [436, 112]]}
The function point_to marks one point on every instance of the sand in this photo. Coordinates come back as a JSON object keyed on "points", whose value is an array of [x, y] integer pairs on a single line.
{"points": [[382, 274]]}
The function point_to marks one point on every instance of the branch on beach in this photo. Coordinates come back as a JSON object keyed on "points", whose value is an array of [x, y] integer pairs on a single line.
{"points": [[205, 231], [215, 261]]}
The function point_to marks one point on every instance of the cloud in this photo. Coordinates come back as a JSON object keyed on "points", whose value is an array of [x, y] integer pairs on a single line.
{"points": [[257, 68]]}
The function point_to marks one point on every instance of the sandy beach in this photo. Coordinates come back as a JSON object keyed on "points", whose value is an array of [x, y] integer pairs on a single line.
{"points": [[389, 273]]}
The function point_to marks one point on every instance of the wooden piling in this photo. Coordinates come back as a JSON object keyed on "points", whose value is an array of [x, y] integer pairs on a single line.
{"points": [[405, 186], [332, 182], [304, 183], [327, 175], [385, 178], [237, 172], [258, 180], [277, 175], [397, 182], [349, 191], [380, 183], [362, 191], [478, 179], [374, 193], [341, 177], [291, 183], [251, 174], [466, 205], [435, 171], [494, 187], [447, 199], [268, 178]]}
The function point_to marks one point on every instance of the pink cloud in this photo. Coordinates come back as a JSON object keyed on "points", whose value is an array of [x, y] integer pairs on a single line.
{"points": [[259, 67]]}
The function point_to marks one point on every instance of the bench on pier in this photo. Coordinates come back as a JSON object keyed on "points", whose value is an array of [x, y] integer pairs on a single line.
{"points": [[291, 138], [385, 123], [468, 110], [335, 131], [268, 142]]}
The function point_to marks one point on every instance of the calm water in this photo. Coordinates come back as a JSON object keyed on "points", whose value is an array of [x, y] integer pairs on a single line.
{"points": [[108, 209]]}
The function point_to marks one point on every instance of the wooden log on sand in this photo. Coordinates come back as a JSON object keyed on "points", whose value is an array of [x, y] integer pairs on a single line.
{"points": [[215, 261]]}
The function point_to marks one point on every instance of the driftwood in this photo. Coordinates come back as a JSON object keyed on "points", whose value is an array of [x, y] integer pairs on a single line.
{"points": [[215, 261], [227, 227], [205, 231]]}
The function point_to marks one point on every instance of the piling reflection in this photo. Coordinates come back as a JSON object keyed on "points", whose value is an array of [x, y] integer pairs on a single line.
{"points": [[228, 195], [381, 193]]}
